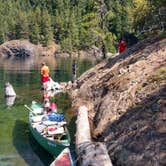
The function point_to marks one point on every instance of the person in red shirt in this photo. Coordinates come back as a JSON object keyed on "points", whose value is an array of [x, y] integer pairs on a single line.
{"points": [[122, 46]]}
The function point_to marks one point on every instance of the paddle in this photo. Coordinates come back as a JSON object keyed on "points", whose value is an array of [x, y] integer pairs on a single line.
{"points": [[29, 109]]}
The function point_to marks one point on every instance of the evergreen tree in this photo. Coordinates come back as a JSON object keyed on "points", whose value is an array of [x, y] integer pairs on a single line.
{"points": [[34, 35], [46, 28], [78, 24], [21, 27]]}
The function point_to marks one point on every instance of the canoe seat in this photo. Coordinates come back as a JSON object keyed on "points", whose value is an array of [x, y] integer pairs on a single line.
{"points": [[57, 136]]}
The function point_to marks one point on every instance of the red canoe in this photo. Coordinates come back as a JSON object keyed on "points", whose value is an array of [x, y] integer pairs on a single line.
{"points": [[64, 159]]}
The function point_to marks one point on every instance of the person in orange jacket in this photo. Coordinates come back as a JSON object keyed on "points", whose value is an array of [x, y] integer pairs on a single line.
{"points": [[122, 46], [44, 73]]}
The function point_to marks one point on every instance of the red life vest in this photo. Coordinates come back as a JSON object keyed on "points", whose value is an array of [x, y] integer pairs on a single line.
{"points": [[122, 46]]}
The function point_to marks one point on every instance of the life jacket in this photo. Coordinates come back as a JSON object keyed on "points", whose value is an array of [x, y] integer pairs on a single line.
{"points": [[45, 71], [122, 46], [53, 106]]}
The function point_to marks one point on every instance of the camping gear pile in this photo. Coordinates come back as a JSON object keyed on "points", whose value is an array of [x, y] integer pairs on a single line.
{"points": [[48, 124], [52, 86]]}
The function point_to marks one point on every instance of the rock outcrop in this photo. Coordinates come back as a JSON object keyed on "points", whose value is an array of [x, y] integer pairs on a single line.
{"points": [[24, 49], [17, 49], [126, 99]]}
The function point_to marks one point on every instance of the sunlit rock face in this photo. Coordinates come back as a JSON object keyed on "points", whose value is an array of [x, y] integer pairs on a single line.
{"points": [[21, 54], [23, 49], [17, 49], [126, 96]]}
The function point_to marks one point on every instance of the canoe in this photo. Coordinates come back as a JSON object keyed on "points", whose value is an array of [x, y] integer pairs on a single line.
{"points": [[64, 159], [52, 135]]}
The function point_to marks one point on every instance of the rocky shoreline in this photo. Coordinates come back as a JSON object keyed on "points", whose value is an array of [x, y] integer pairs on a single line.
{"points": [[126, 102]]}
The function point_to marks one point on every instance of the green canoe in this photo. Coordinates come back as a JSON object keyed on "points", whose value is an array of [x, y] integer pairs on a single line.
{"points": [[55, 142]]}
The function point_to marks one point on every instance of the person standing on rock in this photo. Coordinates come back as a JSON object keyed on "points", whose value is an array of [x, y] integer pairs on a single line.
{"points": [[74, 66], [44, 73], [121, 46]]}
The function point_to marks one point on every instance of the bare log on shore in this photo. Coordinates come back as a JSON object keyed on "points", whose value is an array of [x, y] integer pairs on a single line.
{"points": [[89, 153]]}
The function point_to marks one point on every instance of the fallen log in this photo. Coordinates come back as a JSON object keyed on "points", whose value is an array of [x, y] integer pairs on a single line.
{"points": [[89, 153]]}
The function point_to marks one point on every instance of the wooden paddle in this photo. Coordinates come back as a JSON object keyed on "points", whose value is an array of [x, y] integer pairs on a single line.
{"points": [[29, 109]]}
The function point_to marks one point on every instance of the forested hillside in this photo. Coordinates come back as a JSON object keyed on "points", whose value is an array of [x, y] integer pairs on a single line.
{"points": [[79, 24]]}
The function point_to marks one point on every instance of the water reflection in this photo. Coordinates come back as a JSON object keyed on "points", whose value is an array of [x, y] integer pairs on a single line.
{"points": [[24, 75], [31, 152], [27, 71], [24, 65], [5, 160], [10, 100]]}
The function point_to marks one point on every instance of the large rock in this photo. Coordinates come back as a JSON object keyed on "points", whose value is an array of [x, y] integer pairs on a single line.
{"points": [[17, 49], [24, 49], [126, 98]]}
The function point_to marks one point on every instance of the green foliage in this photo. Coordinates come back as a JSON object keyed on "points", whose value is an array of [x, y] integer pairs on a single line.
{"points": [[110, 42], [77, 24], [147, 16], [21, 26], [34, 35], [66, 45], [46, 28], [159, 75], [139, 20]]}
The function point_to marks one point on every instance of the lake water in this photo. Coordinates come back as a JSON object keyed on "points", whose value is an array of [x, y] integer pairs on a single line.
{"points": [[17, 146]]}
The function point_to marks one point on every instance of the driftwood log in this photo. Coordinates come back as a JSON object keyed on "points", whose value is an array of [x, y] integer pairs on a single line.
{"points": [[89, 153], [9, 90], [10, 100], [10, 94]]}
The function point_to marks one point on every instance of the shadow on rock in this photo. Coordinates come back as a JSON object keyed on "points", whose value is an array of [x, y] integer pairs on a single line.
{"points": [[139, 135]]}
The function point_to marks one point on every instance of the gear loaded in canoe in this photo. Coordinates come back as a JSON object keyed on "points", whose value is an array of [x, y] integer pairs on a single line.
{"points": [[49, 130]]}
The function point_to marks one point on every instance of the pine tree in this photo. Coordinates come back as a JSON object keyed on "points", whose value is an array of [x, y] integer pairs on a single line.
{"points": [[46, 28], [34, 35], [21, 27]]}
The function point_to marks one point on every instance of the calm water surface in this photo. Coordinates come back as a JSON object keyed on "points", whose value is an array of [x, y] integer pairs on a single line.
{"points": [[17, 146]]}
